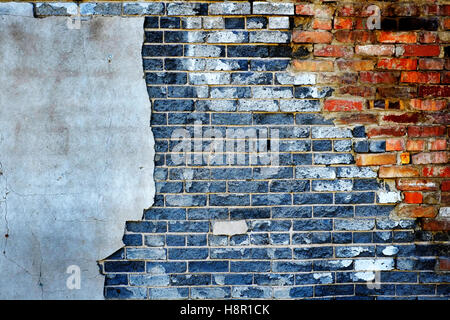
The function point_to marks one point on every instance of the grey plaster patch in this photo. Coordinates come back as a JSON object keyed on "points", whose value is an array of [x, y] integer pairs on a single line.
{"points": [[76, 150]]}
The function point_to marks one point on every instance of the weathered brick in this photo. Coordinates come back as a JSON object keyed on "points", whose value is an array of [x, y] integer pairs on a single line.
{"points": [[299, 36], [375, 159]]}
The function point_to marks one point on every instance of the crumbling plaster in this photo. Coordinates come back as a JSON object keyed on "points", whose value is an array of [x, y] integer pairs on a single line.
{"points": [[76, 150]]}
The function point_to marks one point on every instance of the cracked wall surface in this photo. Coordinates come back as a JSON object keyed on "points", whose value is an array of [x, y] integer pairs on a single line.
{"points": [[76, 149]]}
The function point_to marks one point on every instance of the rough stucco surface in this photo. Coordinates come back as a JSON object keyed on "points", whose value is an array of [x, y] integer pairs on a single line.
{"points": [[76, 150]]}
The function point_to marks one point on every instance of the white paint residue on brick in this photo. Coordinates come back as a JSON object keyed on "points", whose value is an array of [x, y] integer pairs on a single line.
{"points": [[229, 228]]}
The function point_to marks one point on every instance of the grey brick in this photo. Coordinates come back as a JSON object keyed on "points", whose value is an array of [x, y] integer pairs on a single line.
{"points": [[209, 78], [295, 79], [99, 8], [269, 37], [354, 224], [229, 8], [275, 8], [207, 51], [332, 185], [333, 158], [191, 22], [355, 172], [213, 23], [272, 92], [143, 8], [330, 132], [315, 173], [257, 105], [43, 9], [227, 37], [299, 105], [186, 9]]}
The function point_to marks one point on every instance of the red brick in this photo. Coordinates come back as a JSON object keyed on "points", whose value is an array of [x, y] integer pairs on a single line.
{"points": [[426, 131], [398, 172], [314, 10], [445, 197], [437, 225], [349, 10], [438, 144], [333, 51], [312, 65], [434, 91], [445, 185], [380, 131], [428, 105], [428, 37], [420, 77], [375, 159], [445, 77], [342, 105], [402, 118], [395, 144], [397, 64], [417, 212], [446, 23], [343, 23], [396, 37], [413, 197], [377, 77], [418, 50], [431, 64], [343, 78], [401, 9], [358, 36], [356, 65], [358, 91], [357, 118], [430, 157], [416, 185], [311, 36], [304, 9], [415, 145], [444, 263], [375, 50], [322, 24], [436, 171]]}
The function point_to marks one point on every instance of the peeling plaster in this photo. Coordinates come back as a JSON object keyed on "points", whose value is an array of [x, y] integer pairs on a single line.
{"points": [[76, 150]]}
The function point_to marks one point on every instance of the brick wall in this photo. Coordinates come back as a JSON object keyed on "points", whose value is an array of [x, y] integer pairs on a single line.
{"points": [[361, 190]]}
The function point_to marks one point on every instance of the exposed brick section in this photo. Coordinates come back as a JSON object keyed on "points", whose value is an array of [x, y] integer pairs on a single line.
{"points": [[363, 123]]}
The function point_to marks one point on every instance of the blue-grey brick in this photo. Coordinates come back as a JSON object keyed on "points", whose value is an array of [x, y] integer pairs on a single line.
{"points": [[272, 173], [354, 197], [206, 51], [295, 79], [382, 237], [153, 36], [315, 173], [168, 293], [377, 146], [208, 266], [354, 224], [197, 240], [168, 187], [373, 211], [383, 289], [428, 277], [269, 65], [361, 146], [414, 289], [210, 78], [313, 252], [271, 199], [332, 185], [313, 92], [257, 105], [154, 240], [250, 213], [359, 132], [274, 279], [333, 265], [188, 64], [342, 145], [230, 92], [149, 280], [124, 266], [321, 145], [227, 37], [96, 8], [342, 237], [313, 225], [385, 223], [146, 226], [142, 8], [234, 23], [239, 240], [362, 237], [151, 23], [165, 50], [299, 105], [191, 22], [314, 278], [333, 158], [292, 266], [292, 132], [311, 118], [165, 78], [294, 145], [188, 92], [333, 211], [132, 239], [334, 290], [205, 187], [259, 239], [158, 119], [186, 200], [248, 51], [190, 279], [248, 186], [231, 173], [273, 118], [313, 198], [231, 118], [170, 22], [330, 132], [270, 225], [355, 172], [207, 213], [188, 253], [153, 64], [156, 92], [366, 184], [226, 65], [291, 212], [269, 37], [273, 8], [188, 226], [165, 267], [116, 279], [250, 266], [355, 251], [210, 293], [233, 279], [253, 78], [146, 253], [187, 9], [289, 185], [311, 237], [279, 238], [229, 200], [125, 293], [272, 92], [251, 292], [188, 118], [229, 8]]}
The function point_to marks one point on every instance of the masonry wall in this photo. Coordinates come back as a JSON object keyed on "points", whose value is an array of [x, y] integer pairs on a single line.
{"points": [[361, 190]]}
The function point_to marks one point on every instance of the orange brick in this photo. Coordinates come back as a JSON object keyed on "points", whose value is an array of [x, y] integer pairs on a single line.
{"points": [[312, 65], [436, 225], [375, 159], [417, 212], [428, 105], [444, 263], [426, 131], [300, 36], [420, 77], [356, 65], [343, 23], [333, 51], [436, 171], [405, 157], [413, 197], [396, 37], [398, 172], [342, 105], [415, 145], [439, 144], [394, 144], [416, 185], [397, 64], [430, 157], [322, 24]]}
